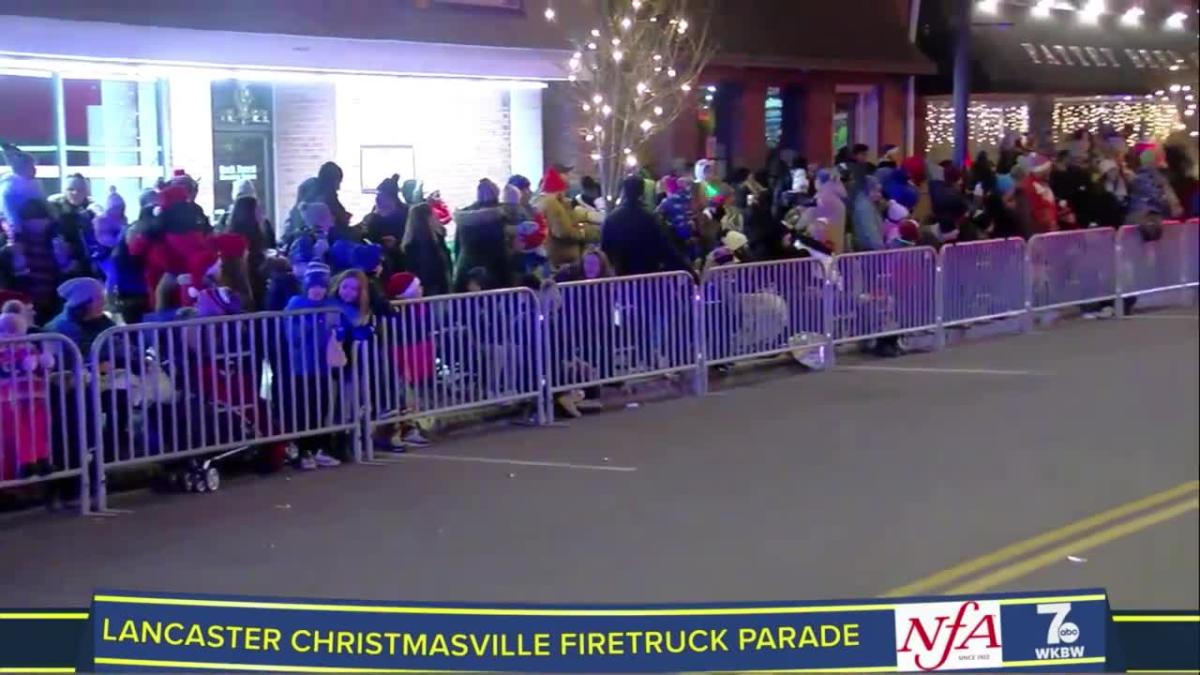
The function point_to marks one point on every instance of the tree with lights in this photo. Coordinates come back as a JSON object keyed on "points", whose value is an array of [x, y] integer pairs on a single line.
{"points": [[632, 72]]}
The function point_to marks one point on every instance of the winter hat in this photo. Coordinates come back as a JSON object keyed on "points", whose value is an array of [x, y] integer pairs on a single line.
{"points": [[148, 198], [80, 291], [487, 192], [553, 182], [413, 191], [530, 236], [1041, 165], [896, 211], [1150, 157], [701, 168], [173, 193], [404, 286], [315, 212], [511, 194], [1005, 184], [217, 302], [909, 232], [341, 255], [181, 179], [302, 251], [367, 257], [390, 187], [316, 274], [520, 182], [734, 240], [245, 188], [721, 255], [914, 168]]}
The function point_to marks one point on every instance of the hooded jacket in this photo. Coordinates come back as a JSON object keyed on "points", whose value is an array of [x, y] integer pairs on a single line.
{"points": [[481, 241], [567, 235], [632, 238]]}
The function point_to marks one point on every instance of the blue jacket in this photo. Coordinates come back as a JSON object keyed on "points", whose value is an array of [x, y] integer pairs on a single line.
{"points": [[308, 335]]}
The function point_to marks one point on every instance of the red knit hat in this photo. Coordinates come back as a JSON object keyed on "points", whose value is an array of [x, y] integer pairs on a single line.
{"points": [[173, 194], [553, 182], [403, 286], [914, 167]]}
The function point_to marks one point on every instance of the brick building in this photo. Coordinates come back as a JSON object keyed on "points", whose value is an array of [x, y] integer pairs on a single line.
{"points": [[443, 90]]}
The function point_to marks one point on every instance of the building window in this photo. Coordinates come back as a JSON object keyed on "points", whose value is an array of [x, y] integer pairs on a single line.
{"points": [[243, 142], [108, 130], [774, 110]]}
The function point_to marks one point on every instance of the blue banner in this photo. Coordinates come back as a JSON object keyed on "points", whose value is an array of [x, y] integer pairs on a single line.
{"points": [[1063, 631]]}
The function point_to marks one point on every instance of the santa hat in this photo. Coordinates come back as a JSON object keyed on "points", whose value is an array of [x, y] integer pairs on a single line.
{"points": [[914, 168], [172, 194], [404, 286], [316, 274], [553, 182], [229, 245], [217, 302], [909, 232], [440, 211], [530, 236], [80, 291], [896, 211]]}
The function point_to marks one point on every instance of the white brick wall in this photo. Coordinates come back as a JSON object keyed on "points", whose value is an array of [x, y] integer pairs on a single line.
{"points": [[190, 109], [305, 116], [460, 133]]}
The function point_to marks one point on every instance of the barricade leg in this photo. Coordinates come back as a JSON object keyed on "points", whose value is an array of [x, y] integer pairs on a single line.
{"points": [[827, 321], [939, 303], [699, 343]]}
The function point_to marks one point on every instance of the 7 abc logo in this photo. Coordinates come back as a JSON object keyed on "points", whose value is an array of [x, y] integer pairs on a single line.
{"points": [[1061, 631]]}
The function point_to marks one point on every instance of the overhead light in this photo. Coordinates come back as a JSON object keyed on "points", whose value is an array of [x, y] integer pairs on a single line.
{"points": [[1133, 16], [1042, 9], [1175, 21], [1091, 11], [988, 6]]}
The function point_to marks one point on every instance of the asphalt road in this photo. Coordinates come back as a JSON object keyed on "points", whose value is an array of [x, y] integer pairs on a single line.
{"points": [[789, 486]]}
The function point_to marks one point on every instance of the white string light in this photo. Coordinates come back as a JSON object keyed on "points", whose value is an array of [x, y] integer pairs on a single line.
{"points": [[988, 123]]}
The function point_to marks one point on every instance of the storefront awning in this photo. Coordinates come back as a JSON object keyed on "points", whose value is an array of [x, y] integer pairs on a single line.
{"points": [[295, 55]]}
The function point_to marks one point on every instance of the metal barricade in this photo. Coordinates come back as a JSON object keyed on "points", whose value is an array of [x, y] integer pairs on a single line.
{"points": [[762, 309], [1152, 266], [171, 391], [455, 353], [42, 432], [614, 330], [1071, 268], [885, 293], [1191, 247], [982, 280]]}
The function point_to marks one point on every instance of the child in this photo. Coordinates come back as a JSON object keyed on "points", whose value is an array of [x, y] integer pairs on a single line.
{"points": [[167, 298], [82, 318], [309, 336], [24, 417], [413, 351], [529, 252]]}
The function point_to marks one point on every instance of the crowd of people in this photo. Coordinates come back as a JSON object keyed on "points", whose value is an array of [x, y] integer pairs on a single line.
{"points": [[73, 264]]}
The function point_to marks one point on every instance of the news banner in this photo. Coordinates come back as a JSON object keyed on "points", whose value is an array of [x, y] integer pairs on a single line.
{"points": [[1061, 631]]}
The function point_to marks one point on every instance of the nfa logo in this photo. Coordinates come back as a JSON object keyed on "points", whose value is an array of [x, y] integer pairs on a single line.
{"points": [[1060, 632], [949, 636]]}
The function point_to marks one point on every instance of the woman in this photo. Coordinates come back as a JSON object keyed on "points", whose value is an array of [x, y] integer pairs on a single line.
{"points": [[481, 238], [246, 219], [82, 319], [868, 216], [385, 225], [425, 252]]}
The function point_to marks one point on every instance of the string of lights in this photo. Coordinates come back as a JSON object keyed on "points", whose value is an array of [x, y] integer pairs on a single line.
{"points": [[988, 123], [1086, 11]]}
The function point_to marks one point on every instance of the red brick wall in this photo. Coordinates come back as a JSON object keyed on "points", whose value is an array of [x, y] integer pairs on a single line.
{"points": [[304, 138], [893, 109]]}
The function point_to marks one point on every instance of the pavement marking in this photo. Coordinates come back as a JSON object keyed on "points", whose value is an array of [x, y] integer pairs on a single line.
{"points": [[1165, 317], [1157, 618], [1021, 548], [520, 462], [938, 371], [1054, 555]]}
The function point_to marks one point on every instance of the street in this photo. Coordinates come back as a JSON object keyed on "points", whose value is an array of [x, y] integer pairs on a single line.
{"points": [[880, 476]]}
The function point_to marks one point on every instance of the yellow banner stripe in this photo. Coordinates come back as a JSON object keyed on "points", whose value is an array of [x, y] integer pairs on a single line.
{"points": [[26, 669], [100, 660], [469, 611], [77, 616], [1061, 598], [1133, 618], [1054, 662]]}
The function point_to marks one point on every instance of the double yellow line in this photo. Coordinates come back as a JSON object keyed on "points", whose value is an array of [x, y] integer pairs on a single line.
{"points": [[1023, 557]]}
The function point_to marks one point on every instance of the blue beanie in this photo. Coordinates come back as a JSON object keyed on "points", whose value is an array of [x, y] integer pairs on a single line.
{"points": [[1005, 184], [367, 257], [341, 255], [520, 182], [317, 274]]}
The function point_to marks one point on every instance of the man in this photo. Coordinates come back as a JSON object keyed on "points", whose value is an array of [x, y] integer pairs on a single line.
{"points": [[632, 238]]}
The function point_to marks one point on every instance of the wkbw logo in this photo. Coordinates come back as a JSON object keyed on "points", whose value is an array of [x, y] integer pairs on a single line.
{"points": [[1061, 635]]}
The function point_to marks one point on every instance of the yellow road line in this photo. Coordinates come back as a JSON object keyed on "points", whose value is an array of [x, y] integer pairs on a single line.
{"points": [[1055, 662], [1129, 618], [1021, 548], [1024, 567], [25, 669]]}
